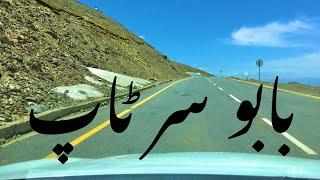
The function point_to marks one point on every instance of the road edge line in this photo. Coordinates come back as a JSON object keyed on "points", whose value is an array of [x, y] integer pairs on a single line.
{"points": [[104, 124], [279, 89]]}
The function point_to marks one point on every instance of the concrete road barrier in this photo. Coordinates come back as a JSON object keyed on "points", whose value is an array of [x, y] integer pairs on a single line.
{"points": [[22, 127]]}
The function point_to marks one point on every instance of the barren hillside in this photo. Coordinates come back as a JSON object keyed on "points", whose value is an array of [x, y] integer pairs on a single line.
{"points": [[45, 44]]}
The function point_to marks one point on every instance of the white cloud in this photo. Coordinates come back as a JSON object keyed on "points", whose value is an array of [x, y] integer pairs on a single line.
{"points": [[142, 37], [306, 65], [273, 34]]}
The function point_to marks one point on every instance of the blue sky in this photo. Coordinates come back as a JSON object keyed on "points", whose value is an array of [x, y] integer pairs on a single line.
{"points": [[229, 35]]}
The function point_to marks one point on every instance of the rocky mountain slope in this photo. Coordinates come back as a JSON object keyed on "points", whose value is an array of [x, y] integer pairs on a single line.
{"points": [[49, 43]]}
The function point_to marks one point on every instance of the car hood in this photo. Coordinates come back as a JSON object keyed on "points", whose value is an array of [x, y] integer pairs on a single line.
{"points": [[169, 163]]}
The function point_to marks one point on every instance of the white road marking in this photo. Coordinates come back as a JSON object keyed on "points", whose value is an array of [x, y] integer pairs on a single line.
{"points": [[233, 97], [211, 82], [293, 140], [285, 134]]}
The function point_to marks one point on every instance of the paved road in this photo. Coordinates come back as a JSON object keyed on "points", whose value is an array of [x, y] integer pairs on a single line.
{"points": [[206, 131]]}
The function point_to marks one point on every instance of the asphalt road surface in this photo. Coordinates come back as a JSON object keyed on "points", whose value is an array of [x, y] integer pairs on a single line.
{"points": [[205, 131]]}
